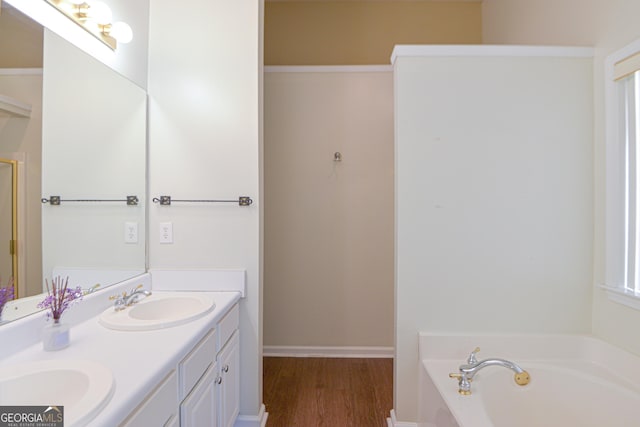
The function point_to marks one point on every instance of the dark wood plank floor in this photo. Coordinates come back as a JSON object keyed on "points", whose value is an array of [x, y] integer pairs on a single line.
{"points": [[327, 392]]}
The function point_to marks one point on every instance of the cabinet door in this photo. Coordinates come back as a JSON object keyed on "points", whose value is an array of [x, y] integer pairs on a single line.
{"points": [[199, 408], [173, 422], [229, 365], [158, 407]]}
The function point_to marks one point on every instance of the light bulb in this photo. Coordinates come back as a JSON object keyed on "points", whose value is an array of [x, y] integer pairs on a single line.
{"points": [[99, 12], [121, 31]]}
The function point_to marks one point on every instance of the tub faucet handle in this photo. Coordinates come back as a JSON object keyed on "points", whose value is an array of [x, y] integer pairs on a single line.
{"points": [[522, 378], [472, 360], [464, 384]]}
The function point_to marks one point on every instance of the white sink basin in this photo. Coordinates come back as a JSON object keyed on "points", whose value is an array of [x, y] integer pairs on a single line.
{"points": [[159, 310], [83, 387]]}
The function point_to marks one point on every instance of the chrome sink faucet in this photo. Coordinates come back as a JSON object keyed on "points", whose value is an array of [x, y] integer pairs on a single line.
{"points": [[125, 300], [471, 368]]}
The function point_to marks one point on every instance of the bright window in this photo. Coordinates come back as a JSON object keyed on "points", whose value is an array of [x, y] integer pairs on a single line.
{"points": [[629, 121], [623, 176]]}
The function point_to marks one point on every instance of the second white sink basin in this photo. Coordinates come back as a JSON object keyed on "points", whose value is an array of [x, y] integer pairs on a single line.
{"points": [[82, 387], [159, 310]]}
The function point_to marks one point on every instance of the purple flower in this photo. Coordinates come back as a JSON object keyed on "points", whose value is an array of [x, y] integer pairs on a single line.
{"points": [[59, 297], [6, 293]]}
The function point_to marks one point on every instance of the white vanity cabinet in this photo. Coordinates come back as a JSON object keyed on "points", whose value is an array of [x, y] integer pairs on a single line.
{"points": [[204, 390], [215, 399], [159, 408], [198, 391], [199, 408], [228, 360]]}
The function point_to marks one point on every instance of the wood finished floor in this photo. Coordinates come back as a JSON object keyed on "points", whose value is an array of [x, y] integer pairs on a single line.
{"points": [[327, 392]]}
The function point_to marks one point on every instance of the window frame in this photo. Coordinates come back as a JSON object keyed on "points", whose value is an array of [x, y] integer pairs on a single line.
{"points": [[616, 210]]}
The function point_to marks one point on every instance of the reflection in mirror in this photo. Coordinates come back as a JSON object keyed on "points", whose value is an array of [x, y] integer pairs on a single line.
{"points": [[8, 222], [93, 148], [89, 123], [21, 41]]}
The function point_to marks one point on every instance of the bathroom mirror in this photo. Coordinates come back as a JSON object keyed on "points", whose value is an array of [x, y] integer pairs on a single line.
{"points": [[93, 156]]}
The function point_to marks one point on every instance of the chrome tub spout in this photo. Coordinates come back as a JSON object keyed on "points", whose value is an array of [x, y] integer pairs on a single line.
{"points": [[471, 368]]}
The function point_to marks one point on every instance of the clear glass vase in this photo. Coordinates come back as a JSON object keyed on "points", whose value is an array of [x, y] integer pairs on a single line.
{"points": [[55, 336]]}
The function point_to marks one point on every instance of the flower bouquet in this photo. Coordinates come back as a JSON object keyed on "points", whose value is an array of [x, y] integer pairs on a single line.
{"points": [[59, 298]]}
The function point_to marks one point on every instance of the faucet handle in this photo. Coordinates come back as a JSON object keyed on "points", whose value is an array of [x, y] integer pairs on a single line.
{"points": [[522, 378], [115, 297], [472, 360], [464, 383], [119, 301]]}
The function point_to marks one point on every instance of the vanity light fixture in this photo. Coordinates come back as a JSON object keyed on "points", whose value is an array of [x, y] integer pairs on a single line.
{"points": [[95, 17], [120, 31]]}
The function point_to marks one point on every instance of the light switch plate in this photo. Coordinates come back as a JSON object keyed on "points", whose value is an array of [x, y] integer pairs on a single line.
{"points": [[166, 232], [131, 232]]}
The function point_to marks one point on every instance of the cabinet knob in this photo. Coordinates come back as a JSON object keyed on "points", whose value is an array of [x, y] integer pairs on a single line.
{"points": [[226, 368], [219, 380]]}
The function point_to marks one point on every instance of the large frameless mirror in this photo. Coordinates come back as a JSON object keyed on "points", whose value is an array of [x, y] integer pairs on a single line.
{"points": [[85, 143]]}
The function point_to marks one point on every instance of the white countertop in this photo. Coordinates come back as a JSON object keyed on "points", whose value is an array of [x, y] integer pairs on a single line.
{"points": [[139, 360]]}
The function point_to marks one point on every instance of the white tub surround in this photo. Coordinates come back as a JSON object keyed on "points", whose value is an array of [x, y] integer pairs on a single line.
{"points": [[139, 360], [575, 380]]}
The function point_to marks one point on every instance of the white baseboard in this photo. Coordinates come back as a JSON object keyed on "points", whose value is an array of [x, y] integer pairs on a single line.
{"points": [[393, 422], [259, 420], [304, 351]]}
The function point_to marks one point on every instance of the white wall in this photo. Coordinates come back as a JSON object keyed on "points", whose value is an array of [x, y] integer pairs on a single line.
{"points": [[205, 143], [129, 59], [93, 147], [493, 200], [609, 25], [329, 225]]}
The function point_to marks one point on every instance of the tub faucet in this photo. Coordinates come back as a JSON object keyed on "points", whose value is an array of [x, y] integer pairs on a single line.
{"points": [[471, 368]]}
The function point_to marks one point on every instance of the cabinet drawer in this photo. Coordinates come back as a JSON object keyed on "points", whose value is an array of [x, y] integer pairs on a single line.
{"points": [[228, 325], [194, 365], [158, 407]]}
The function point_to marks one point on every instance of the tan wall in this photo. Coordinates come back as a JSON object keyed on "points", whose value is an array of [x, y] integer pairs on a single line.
{"points": [[329, 225], [20, 40], [328, 277], [347, 32]]}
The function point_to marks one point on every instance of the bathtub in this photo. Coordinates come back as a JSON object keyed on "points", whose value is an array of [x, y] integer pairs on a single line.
{"points": [[575, 381]]}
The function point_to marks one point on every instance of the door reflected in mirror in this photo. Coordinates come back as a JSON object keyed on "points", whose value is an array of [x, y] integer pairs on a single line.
{"points": [[8, 223]]}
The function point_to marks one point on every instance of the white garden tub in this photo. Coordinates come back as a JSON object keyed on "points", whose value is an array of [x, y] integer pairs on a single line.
{"points": [[575, 381]]}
